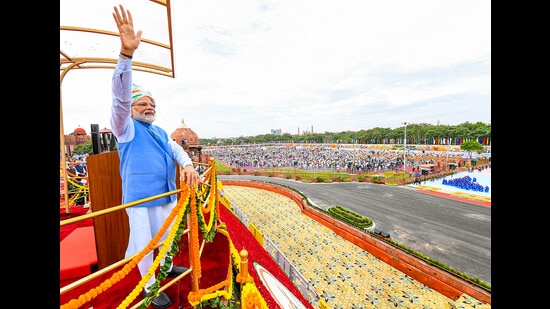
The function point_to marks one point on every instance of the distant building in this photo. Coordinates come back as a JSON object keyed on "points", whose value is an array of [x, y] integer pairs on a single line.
{"points": [[276, 131], [305, 132], [189, 140], [77, 137], [183, 136]]}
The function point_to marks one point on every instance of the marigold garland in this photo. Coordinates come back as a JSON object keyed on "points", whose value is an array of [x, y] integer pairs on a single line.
{"points": [[217, 290], [213, 191], [208, 232], [235, 256], [162, 252], [211, 196], [250, 295], [203, 193], [210, 201], [194, 239], [116, 277]]}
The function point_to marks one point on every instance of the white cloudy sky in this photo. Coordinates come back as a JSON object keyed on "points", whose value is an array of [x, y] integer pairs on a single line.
{"points": [[244, 67]]}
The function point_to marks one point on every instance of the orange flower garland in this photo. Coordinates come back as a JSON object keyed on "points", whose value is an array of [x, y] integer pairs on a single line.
{"points": [[206, 227], [209, 200], [199, 205], [211, 192], [116, 277], [194, 239], [162, 252], [217, 290], [251, 297]]}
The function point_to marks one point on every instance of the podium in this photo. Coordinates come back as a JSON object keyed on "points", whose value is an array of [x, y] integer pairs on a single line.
{"points": [[111, 230], [105, 186]]}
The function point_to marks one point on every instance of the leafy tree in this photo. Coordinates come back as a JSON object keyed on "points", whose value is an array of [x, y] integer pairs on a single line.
{"points": [[417, 133], [84, 148], [471, 146]]}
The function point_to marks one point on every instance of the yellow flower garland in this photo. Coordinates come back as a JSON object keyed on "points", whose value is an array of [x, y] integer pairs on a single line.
{"points": [[116, 277], [217, 290], [194, 239], [207, 226], [162, 252], [250, 295]]}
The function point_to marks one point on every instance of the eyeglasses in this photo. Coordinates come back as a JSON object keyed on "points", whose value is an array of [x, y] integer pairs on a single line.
{"points": [[144, 104]]}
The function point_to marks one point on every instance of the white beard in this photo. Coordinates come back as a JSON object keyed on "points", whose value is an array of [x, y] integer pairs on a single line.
{"points": [[144, 118]]}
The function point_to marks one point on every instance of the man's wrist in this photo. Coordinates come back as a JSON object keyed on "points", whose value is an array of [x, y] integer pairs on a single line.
{"points": [[126, 55]]}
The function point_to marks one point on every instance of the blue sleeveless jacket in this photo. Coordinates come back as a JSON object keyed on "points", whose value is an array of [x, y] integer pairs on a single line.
{"points": [[147, 167]]}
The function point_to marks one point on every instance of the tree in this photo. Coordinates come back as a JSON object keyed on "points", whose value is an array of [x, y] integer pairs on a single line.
{"points": [[84, 148], [421, 133], [471, 146]]}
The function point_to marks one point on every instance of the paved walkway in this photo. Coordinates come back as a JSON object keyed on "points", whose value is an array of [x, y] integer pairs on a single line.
{"points": [[344, 275]]}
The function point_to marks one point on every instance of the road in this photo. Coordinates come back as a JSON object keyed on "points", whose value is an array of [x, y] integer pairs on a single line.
{"points": [[456, 233]]}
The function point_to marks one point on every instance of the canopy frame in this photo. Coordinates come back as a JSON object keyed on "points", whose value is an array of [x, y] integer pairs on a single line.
{"points": [[67, 63]]}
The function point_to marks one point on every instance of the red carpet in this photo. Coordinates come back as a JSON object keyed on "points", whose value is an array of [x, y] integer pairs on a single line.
{"points": [[243, 239], [214, 263], [77, 254], [72, 265], [75, 211]]}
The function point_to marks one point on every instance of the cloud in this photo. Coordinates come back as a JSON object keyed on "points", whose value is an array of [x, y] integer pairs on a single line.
{"points": [[243, 68]]}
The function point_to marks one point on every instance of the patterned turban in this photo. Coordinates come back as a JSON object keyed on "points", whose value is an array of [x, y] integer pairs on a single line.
{"points": [[138, 92]]}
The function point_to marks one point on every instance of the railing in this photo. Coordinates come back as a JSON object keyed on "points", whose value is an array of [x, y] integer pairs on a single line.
{"points": [[307, 290], [202, 196], [77, 188], [207, 180]]}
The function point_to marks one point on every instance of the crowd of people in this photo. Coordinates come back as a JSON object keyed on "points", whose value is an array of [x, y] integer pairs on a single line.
{"points": [[351, 159], [466, 183]]}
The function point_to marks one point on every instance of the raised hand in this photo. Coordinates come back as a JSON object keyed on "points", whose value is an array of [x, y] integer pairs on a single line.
{"points": [[128, 38]]}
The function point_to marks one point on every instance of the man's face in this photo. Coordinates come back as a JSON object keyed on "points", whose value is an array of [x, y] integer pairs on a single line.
{"points": [[143, 109]]}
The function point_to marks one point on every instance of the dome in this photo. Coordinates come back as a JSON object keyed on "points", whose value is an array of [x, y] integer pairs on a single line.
{"points": [[79, 131], [184, 132]]}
